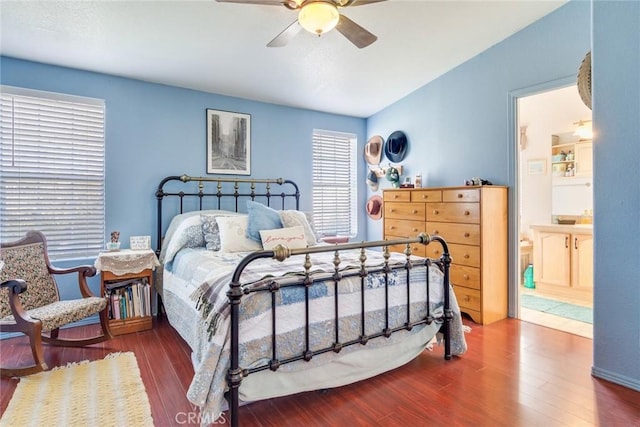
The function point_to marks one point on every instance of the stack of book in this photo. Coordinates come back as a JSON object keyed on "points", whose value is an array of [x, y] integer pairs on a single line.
{"points": [[129, 298]]}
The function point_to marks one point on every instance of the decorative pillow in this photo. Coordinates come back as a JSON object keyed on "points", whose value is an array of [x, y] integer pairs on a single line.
{"points": [[261, 217], [233, 234], [295, 218], [185, 231], [292, 237], [210, 229]]}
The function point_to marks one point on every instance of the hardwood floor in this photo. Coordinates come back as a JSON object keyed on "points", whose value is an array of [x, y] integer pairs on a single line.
{"points": [[514, 374]]}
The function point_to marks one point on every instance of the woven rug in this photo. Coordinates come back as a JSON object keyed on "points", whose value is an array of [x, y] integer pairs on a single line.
{"points": [[557, 308], [106, 392]]}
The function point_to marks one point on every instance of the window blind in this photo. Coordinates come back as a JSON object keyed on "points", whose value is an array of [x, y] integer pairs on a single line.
{"points": [[52, 170], [334, 183]]}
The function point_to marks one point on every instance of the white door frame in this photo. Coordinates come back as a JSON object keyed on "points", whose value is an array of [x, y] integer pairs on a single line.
{"points": [[514, 177]]}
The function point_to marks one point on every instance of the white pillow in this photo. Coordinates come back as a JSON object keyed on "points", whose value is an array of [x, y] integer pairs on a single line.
{"points": [[292, 237], [233, 234], [297, 218]]}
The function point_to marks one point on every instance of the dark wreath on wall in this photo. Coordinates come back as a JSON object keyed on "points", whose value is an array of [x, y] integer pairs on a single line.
{"points": [[228, 142]]}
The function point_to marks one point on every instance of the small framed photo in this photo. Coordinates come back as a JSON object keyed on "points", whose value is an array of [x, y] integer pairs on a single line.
{"points": [[537, 167], [138, 243], [228, 143]]}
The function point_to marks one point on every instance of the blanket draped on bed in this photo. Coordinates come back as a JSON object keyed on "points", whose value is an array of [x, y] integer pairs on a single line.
{"points": [[211, 352]]}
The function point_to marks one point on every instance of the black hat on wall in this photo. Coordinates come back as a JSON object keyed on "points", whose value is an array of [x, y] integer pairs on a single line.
{"points": [[396, 147]]}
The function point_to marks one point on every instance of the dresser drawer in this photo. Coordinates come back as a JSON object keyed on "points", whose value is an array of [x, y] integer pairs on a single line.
{"points": [[461, 275], [465, 255], [454, 212], [433, 250], [467, 298], [461, 195], [417, 249], [404, 228], [397, 196], [467, 234], [410, 211], [426, 196]]}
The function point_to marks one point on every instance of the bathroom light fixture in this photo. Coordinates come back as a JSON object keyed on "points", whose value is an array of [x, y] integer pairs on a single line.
{"points": [[584, 129], [319, 17]]}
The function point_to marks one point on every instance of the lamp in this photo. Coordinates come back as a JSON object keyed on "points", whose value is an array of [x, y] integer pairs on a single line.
{"points": [[584, 129], [318, 17]]}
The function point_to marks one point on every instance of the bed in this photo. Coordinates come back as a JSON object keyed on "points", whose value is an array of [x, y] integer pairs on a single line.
{"points": [[268, 310]]}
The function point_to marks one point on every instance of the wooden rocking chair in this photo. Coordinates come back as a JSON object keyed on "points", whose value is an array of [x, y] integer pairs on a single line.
{"points": [[30, 302]]}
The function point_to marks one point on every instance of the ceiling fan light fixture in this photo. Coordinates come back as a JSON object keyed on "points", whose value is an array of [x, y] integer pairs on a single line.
{"points": [[319, 17]]}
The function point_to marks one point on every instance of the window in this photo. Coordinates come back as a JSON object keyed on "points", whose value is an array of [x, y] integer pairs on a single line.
{"points": [[334, 183], [52, 170]]}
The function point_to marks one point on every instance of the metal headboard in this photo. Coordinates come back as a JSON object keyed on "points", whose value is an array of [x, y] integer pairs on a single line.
{"points": [[235, 187]]}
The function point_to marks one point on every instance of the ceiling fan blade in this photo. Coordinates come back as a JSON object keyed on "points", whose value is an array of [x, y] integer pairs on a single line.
{"points": [[355, 33], [359, 2], [265, 2], [286, 35]]}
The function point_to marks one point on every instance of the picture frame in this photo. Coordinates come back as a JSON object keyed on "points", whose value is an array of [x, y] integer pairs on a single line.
{"points": [[138, 243], [537, 167], [228, 142]]}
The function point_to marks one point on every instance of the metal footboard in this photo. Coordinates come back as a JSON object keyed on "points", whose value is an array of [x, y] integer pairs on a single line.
{"points": [[237, 292]]}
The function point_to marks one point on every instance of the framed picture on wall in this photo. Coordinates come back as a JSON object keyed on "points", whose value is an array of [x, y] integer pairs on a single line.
{"points": [[228, 142], [537, 167]]}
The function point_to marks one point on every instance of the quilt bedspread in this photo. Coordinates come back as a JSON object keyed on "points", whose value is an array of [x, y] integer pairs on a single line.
{"points": [[203, 278]]}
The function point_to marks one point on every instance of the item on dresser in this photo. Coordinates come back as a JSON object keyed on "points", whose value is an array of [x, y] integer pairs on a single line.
{"points": [[243, 313], [474, 223], [417, 180], [477, 181]]}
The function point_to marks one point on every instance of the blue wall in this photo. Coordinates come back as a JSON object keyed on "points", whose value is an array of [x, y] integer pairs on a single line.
{"points": [[153, 131], [156, 130], [458, 125], [461, 126], [616, 117]]}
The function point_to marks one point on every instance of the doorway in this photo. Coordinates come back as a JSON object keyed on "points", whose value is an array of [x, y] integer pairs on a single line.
{"points": [[554, 169]]}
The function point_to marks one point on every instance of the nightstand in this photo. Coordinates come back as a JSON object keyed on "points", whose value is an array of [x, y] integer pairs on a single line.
{"points": [[126, 279]]}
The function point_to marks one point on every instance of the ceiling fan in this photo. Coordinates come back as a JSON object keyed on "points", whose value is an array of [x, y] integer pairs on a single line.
{"points": [[318, 17]]}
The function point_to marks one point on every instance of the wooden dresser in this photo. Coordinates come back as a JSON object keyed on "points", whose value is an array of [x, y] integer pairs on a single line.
{"points": [[473, 221]]}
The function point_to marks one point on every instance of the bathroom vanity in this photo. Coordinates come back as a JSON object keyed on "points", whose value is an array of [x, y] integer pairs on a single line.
{"points": [[563, 261]]}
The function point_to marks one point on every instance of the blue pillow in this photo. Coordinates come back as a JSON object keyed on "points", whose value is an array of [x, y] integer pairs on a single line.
{"points": [[261, 217]]}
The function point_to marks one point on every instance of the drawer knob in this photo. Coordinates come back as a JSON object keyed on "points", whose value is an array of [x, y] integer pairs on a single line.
{"points": [[460, 196], [435, 232], [424, 196], [392, 227], [466, 277], [466, 256], [466, 298], [466, 234], [467, 213], [392, 210], [414, 211], [435, 212], [395, 196], [415, 230]]}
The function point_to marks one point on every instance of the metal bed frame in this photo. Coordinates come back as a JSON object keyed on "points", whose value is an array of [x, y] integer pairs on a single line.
{"points": [[237, 292]]}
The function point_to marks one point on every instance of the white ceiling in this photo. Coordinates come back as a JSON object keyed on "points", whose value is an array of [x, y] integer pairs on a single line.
{"points": [[221, 47]]}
